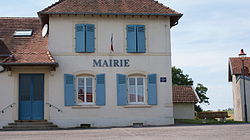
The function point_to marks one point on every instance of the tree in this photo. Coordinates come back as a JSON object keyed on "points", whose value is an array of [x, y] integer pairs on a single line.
{"points": [[179, 78], [198, 108], [202, 91]]}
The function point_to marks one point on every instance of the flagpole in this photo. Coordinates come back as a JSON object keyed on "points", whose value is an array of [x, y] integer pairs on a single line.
{"points": [[111, 44]]}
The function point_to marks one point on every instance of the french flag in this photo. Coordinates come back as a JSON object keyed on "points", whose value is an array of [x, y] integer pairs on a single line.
{"points": [[111, 46]]}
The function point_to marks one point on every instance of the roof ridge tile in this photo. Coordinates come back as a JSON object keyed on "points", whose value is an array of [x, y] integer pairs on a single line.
{"points": [[51, 6], [159, 6]]}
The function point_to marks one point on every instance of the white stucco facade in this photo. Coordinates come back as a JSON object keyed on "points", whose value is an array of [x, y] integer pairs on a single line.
{"points": [[157, 60], [10, 92], [238, 98], [184, 111]]}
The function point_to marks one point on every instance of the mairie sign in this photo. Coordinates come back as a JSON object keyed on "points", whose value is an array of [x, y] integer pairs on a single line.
{"points": [[111, 63]]}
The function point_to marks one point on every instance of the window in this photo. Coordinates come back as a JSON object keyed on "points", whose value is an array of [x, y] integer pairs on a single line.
{"points": [[136, 90], [85, 90], [132, 89], [136, 40], [85, 38], [23, 33]]}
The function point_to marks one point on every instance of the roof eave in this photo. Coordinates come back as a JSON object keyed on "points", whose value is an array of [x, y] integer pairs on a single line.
{"points": [[95, 13], [196, 95], [229, 72], [174, 20], [185, 102], [173, 17], [44, 19], [30, 64]]}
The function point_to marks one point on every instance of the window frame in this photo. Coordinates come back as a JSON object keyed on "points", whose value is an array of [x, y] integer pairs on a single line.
{"points": [[85, 89], [136, 86]]}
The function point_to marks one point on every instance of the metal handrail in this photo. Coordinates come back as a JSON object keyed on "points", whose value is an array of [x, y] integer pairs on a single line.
{"points": [[7, 107], [50, 105]]}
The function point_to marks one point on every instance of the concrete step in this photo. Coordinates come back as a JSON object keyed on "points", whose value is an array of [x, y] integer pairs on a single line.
{"points": [[20, 129], [31, 123], [30, 126]]}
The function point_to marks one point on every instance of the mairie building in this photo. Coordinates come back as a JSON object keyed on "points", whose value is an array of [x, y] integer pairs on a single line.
{"points": [[101, 63]]}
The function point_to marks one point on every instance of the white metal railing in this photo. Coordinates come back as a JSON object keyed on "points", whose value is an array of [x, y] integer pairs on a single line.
{"points": [[52, 106], [7, 107]]}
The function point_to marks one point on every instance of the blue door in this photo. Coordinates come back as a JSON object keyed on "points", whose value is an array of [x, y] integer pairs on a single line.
{"points": [[31, 96]]}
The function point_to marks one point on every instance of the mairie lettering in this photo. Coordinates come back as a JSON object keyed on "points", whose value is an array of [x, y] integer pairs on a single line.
{"points": [[111, 63]]}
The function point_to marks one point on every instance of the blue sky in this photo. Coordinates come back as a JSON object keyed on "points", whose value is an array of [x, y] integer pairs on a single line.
{"points": [[209, 32]]}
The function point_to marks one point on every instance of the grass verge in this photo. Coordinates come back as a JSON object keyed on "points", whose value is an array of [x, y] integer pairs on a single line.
{"points": [[208, 121]]}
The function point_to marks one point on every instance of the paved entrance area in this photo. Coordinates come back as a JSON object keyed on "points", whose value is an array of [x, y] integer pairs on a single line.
{"points": [[207, 132]]}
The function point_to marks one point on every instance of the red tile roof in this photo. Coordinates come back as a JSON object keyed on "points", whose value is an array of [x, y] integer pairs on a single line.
{"points": [[111, 7], [24, 50], [184, 94], [235, 64]]}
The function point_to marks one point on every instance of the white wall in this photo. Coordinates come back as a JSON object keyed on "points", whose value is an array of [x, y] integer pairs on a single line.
{"points": [[62, 33], [111, 111], [7, 98], [184, 111], [9, 92], [237, 100], [238, 97], [156, 60]]}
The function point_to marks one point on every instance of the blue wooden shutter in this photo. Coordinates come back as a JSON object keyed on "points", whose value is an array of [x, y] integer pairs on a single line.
{"points": [[152, 89], [69, 90], [80, 38], [121, 89], [141, 39], [90, 38], [100, 90], [131, 38]]}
